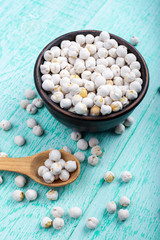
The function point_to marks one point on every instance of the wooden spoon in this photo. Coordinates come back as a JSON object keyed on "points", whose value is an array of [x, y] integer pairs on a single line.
{"points": [[29, 166]]}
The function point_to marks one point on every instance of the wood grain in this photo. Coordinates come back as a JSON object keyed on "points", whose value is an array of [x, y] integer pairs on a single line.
{"points": [[29, 166], [26, 27]]}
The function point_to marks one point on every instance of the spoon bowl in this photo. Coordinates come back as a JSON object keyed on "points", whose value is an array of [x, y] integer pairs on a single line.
{"points": [[29, 166]]}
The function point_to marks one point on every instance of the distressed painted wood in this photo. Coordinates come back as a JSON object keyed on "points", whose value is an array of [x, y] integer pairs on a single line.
{"points": [[26, 27]]}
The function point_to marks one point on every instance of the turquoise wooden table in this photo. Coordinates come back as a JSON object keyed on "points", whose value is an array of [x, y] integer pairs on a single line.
{"points": [[26, 27]]}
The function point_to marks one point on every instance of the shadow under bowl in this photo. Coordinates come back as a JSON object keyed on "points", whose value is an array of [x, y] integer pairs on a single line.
{"points": [[89, 123]]}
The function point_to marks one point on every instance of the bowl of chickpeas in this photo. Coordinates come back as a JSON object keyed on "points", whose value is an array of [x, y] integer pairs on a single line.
{"points": [[91, 80]]}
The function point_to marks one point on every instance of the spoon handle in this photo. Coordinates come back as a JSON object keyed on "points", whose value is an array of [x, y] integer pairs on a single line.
{"points": [[19, 165]]}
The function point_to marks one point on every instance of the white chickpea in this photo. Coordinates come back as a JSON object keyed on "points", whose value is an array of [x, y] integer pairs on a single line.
{"points": [[89, 39], [124, 201], [116, 94], [88, 102], [102, 61], [121, 51], [100, 68], [38, 102], [130, 77], [80, 108], [64, 175], [125, 70], [48, 55], [131, 94], [120, 61], [99, 101], [76, 136], [98, 45], [93, 160], [65, 103], [55, 155], [80, 156], [1, 180], [20, 181], [93, 142], [45, 77], [119, 129], [103, 90], [58, 223], [111, 207], [45, 69], [102, 52], [90, 64], [55, 67], [112, 52], [96, 39], [129, 121], [67, 149], [91, 48], [80, 39], [65, 44], [42, 170], [24, 103], [48, 85], [96, 150], [48, 177], [56, 168], [129, 58], [48, 163], [104, 36], [86, 74], [126, 176], [100, 80], [75, 212], [118, 81], [136, 86], [110, 61], [84, 53], [52, 195], [31, 195], [135, 65], [106, 109], [46, 222], [137, 73], [107, 74], [37, 130], [71, 166], [82, 144], [92, 223], [5, 125], [57, 97], [116, 70], [108, 100], [55, 51], [18, 195], [57, 212], [19, 140], [123, 214], [134, 40]]}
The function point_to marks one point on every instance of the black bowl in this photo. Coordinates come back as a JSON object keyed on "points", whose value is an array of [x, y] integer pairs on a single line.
{"points": [[89, 123]]}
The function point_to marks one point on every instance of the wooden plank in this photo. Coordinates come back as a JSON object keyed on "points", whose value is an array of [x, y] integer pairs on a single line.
{"points": [[20, 46], [141, 156]]}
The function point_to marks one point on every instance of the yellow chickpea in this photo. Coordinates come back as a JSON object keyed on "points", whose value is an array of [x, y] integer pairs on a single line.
{"points": [[95, 111], [83, 92]]}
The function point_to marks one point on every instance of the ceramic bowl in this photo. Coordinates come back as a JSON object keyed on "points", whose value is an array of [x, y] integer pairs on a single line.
{"points": [[89, 123]]}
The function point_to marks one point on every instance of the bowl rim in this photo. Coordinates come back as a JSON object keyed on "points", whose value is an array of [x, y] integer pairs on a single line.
{"points": [[56, 107]]}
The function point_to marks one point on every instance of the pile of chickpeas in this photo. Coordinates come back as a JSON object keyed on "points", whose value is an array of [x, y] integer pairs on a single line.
{"points": [[91, 75]]}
